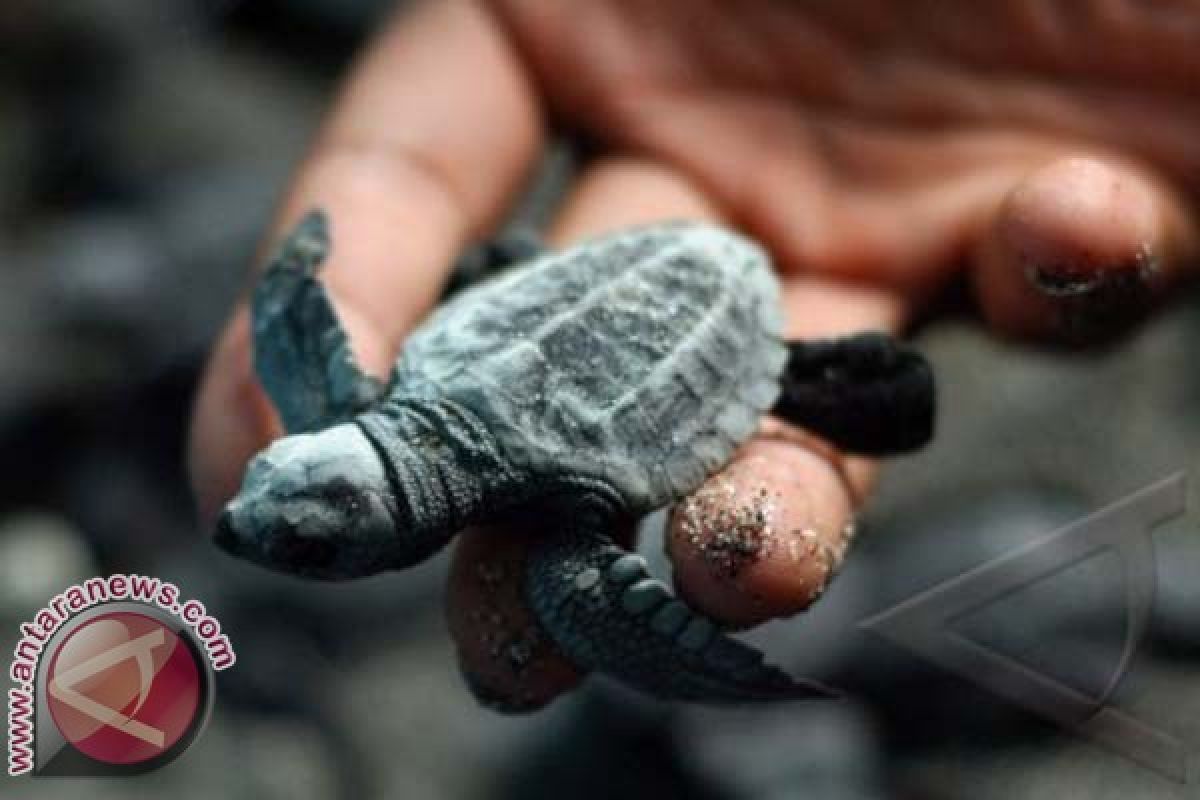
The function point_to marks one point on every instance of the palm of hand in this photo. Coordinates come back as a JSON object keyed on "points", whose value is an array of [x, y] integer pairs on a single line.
{"points": [[877, 142]]}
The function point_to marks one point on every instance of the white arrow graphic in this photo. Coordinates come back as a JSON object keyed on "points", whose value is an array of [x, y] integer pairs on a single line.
{"points": [[923, 624]]}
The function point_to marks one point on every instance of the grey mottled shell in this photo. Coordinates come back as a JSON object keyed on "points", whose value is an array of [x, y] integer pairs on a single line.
{"points": [[642, 358]]}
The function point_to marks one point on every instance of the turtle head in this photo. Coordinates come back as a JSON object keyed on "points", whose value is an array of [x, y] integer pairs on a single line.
{"points": [[314, 504]]}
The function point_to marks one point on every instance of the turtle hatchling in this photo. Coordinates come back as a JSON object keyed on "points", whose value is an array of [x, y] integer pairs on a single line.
{"points": [[595, 383]]}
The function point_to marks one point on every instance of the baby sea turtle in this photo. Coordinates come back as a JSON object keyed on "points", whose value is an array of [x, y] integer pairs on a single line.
{"points": [[606, 380]]}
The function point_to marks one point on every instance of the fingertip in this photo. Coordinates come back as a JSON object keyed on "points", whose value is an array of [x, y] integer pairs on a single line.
{"points": [[1077, 252], [761, 539], [231, 420], [506, 660]]}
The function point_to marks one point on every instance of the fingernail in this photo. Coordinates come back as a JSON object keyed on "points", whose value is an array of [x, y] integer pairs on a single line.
{"points": [[1095, 305]]}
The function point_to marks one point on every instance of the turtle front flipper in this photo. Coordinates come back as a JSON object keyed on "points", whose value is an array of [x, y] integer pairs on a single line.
{"points": [[301, 352], [605, 613], [867, 393]]}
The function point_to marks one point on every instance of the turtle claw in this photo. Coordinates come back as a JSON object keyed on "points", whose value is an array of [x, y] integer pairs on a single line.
{"points": [[604, 611]]}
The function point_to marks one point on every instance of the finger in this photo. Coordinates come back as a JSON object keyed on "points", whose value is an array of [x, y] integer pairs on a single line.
{"points": [[506, 659], [854, 201], [762, 538], [1080, 249], [486, 618], [415, 158]]}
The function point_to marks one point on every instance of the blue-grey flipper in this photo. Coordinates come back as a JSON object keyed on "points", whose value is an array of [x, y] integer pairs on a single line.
{"points": [[867, 393], [301, 352], [508, 248], [605, 613]]}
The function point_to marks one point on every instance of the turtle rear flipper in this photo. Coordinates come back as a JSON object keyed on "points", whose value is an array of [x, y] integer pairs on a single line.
{"points": [[605, 613], [867, 393], [301, 351]]}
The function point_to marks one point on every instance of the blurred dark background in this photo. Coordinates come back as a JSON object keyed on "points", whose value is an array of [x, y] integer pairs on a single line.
{"points": [[142, 146]]}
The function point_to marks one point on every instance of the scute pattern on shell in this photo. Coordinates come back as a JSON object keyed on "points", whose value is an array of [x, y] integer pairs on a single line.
{"points": [[645, 368]]}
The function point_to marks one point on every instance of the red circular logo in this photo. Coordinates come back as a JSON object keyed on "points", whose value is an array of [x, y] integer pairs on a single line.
{"points": [[124, 687]]}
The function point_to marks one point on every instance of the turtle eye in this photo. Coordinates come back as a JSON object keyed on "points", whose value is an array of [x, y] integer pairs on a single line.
{"points": [[340, 495]]}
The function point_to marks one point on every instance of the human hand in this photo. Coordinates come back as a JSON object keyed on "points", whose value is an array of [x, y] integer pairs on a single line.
{"points": [[875, 150]]}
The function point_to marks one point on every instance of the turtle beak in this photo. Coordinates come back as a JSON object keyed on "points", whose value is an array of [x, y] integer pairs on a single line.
{"points": [[226, 537]]}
